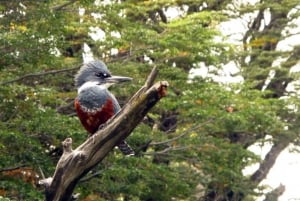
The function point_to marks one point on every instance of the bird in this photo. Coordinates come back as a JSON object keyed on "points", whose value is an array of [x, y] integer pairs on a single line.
{"points": [[94, 103]]}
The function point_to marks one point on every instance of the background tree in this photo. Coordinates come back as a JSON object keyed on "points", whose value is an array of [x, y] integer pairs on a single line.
{"points": [[193, 145]]}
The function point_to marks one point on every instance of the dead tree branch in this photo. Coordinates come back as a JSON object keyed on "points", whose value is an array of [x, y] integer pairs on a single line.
{"points": [[74, 164], [31, 75], [168, 149], [60, 7], [182, 134], [12, 168]]}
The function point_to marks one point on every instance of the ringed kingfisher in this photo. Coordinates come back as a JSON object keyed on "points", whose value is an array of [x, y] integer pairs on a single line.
{"points": [[94, 104]]}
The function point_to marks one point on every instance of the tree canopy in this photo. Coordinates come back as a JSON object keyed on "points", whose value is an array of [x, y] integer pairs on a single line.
{"points": [[193, 144]]}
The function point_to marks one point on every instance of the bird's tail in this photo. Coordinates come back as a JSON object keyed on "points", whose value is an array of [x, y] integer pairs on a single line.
{"points": [[126, 149]]}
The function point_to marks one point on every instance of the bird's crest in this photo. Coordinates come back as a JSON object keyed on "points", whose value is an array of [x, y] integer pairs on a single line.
{"points": [[91, 72]]}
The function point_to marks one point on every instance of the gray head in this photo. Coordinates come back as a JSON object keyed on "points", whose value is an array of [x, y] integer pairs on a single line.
{"points": [[96, 71]]}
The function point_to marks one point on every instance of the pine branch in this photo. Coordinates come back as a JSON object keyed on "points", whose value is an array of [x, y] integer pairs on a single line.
{"points": [[74, 164]]}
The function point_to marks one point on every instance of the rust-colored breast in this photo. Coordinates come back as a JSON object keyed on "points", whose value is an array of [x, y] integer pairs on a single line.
{"points": [[92, 119]]}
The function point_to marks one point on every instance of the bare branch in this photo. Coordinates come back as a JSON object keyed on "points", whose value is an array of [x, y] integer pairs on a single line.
{"points": [[60, 7], [91, 176], [42, 173], [12, 168], [38, 75], [168, 149], [181, 135], [147, 85], [151, 77]]}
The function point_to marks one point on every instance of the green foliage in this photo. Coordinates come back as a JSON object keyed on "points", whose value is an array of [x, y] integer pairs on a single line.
{"points": [[198, 134], [131, 177]]}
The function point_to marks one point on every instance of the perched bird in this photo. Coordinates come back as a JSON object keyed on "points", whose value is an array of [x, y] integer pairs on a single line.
{"points": [[95, 104]]}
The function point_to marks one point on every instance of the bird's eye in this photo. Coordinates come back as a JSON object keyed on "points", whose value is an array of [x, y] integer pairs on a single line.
{"points": [[101, 75]]}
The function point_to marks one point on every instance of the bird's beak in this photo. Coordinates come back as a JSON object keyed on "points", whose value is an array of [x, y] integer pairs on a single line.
{"points": [[117, 79]]}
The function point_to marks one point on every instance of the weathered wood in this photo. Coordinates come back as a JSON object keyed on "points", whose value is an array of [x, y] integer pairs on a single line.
{"points": [[74, 164]]}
